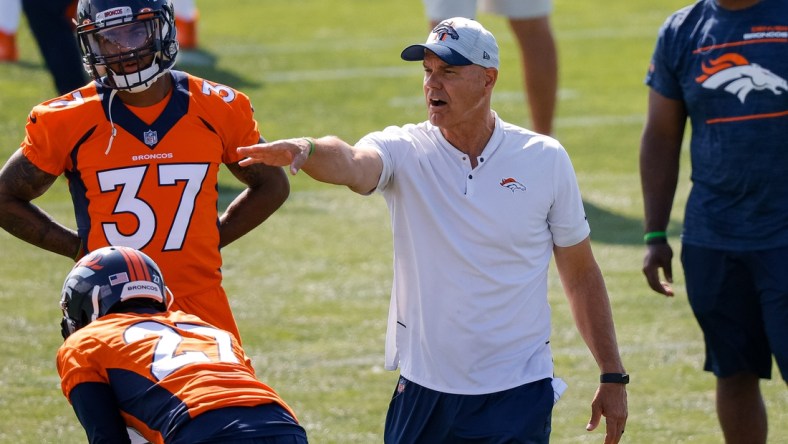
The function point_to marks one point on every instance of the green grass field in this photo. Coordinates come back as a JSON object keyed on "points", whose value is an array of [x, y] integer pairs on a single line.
{"points": [[310, 287]]}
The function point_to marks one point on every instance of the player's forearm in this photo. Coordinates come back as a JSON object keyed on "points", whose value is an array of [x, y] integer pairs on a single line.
{"points": [[660, 155], [267, 189], [252, 207], [659, 171], [97, 409], [31, 224], [21, 182]]}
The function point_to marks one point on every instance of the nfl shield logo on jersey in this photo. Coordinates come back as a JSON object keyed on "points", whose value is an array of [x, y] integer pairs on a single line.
{"points": [[151, 138]]}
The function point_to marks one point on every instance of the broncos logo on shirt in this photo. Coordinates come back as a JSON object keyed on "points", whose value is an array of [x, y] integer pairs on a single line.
{"points": [[512, 184], [739, 77]]}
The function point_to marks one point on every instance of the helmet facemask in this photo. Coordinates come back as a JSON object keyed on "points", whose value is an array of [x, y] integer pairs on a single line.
{"points": [[77, 316], [128, 51]]}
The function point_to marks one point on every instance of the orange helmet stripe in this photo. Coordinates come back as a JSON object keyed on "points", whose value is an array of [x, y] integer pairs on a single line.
{"points": [[136, 265]]}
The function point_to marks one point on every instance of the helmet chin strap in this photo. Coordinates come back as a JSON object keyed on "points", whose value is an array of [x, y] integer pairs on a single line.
{"points": [[114, 131], [121, 83]]}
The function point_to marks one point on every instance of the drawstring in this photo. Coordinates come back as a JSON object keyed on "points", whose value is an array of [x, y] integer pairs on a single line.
{"points": [[114, 130]]}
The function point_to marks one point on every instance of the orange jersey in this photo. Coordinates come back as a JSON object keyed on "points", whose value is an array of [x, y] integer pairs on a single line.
{"points": [[152, 186], [164, 369]]}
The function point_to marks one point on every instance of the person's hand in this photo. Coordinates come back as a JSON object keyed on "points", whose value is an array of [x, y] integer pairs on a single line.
{"points": [[293, 152], [609, 401], [659, 256]]}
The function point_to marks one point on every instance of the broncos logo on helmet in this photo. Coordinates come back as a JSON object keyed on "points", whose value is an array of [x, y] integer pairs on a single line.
{"points": [[739, 77]]}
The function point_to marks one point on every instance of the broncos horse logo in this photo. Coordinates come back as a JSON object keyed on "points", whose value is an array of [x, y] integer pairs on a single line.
{"points": [[443, 30], [512, 184], [739, 77]]}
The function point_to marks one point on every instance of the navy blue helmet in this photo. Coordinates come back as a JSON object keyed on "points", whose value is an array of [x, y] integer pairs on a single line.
{"points": [[105, 278], [127, 44]]}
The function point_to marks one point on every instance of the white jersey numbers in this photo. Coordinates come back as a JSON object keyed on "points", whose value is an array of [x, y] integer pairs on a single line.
{"points": [[169, 357], [225, 92], [76, 99], [129, 181], [193, 175]]}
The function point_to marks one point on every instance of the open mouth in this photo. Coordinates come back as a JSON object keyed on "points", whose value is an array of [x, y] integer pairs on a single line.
{"points": [[436, 102], [130, 67]]}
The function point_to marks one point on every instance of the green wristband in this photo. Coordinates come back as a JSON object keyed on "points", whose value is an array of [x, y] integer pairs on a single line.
{"points": [[311, 146], [655, 237]]}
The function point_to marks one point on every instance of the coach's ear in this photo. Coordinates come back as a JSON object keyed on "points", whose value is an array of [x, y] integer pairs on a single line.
{"points": [[490, 78]]}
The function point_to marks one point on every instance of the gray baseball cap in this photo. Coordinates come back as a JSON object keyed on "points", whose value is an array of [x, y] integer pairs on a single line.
{"points": [[458, 41]]}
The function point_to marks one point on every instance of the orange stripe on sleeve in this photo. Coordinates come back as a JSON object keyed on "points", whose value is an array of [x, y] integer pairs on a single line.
{"points": [[750, 117]]}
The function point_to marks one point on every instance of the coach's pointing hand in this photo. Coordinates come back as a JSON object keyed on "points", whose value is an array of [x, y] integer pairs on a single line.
{"points": [[293, 152]]}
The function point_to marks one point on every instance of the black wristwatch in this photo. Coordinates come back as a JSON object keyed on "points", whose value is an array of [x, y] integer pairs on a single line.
{"points": [[614, 378]]}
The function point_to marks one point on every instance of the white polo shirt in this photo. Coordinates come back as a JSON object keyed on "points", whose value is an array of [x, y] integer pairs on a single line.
{"points": [[469, 311]]}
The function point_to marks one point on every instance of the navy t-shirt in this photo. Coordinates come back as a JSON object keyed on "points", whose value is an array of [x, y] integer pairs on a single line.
{"points": [[730, 68]]}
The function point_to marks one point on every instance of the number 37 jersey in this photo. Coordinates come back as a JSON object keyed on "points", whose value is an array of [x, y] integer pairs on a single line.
{"points": [[147, 182]]}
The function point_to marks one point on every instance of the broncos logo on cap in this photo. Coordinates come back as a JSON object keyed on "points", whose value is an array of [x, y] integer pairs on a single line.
{"points": [[736, 75], [443, 30]]}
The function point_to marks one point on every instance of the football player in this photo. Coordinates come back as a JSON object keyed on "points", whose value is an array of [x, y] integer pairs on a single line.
{"points": [[128, 361], [141, 146]]}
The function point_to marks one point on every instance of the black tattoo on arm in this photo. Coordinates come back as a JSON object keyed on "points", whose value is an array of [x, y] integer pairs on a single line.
{"points": [[20, 183]]}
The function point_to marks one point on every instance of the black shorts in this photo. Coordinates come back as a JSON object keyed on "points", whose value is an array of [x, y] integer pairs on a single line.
{"points": [[418, 415], [740, 300], [263, 424]]}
